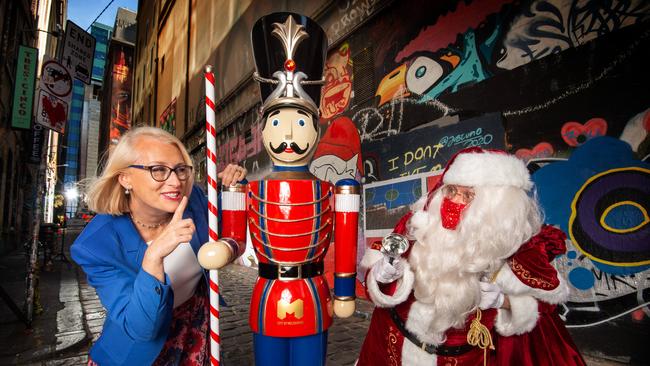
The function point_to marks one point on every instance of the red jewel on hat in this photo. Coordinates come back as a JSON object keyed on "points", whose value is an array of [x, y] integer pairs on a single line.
{"points": [[289, 65]]}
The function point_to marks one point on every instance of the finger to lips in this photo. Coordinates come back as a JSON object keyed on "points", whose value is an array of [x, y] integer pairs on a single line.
{"points": [[178, 214]]}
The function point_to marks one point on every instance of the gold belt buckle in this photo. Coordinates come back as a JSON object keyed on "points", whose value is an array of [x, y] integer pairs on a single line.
{"points": [[283, 269]]}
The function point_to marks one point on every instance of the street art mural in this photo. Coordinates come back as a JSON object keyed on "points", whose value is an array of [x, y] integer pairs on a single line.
{"points": [[337, 91], [427, 149], [562, 75], [338, 155], [548, 27], [241, 143], [602, 202], [576, 134], [430, 62]]}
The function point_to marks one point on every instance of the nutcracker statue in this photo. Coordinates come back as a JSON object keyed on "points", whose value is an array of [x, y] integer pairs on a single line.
{"points": [[292, 215]]}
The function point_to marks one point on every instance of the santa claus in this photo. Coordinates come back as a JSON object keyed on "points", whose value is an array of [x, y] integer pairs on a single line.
{"points": [[476, 286]]}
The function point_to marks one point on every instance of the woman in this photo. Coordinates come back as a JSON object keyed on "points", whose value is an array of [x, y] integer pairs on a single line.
{"points": [[139, 252]]}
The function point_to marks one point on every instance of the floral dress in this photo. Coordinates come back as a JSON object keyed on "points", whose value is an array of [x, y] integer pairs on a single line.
{"points": [[187, 342]]}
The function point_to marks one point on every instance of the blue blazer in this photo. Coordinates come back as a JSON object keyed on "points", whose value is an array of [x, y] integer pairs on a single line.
{"points": [[139, 307]]}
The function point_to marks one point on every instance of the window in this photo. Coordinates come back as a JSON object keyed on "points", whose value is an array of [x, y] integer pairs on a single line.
{"points": [[97, 92]]}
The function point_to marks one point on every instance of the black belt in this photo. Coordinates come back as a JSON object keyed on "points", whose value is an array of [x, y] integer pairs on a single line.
{"points": [[441, 350], [275, 271]]}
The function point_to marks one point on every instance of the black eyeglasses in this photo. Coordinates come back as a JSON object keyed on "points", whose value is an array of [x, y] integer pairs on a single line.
{"points": [[161, 173]]}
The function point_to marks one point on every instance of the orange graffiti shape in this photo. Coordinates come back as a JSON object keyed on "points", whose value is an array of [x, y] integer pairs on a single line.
{"points": [[338, 84], [575, 133], [541, 150]]}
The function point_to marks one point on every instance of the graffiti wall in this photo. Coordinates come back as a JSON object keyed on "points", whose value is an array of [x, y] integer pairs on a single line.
{"points": [[602, 203], [548, 80], [241, 143], [558, 73], [427, 149]]}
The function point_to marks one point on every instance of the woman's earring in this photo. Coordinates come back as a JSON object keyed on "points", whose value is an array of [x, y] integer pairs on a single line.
{"points": [[127, 192]]}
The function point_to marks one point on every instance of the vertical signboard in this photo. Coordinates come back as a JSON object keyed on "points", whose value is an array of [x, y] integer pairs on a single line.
{"points": [[54, 96], [78, 52], [36, 146], [21, 114], [121, 91]]}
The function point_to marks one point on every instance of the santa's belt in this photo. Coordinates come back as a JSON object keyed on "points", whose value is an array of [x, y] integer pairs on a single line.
{"points": [[275, 271], [440, 350]]}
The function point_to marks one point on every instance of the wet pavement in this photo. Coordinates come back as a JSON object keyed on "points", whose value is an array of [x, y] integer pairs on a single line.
{"points": [[72, 318], [58, 324]]}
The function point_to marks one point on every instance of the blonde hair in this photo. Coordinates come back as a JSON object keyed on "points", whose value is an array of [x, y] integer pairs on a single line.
{"points": [[104, 194]]}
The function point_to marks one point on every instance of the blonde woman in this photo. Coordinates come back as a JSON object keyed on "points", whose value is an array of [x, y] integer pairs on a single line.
{"points": [[139, 252]]}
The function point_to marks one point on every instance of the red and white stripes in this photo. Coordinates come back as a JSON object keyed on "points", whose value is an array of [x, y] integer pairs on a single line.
{"points": [[211, 148]]}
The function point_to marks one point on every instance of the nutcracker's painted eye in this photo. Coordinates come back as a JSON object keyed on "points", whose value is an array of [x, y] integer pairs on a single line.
{"points": [[276, 122], [301, 122]]}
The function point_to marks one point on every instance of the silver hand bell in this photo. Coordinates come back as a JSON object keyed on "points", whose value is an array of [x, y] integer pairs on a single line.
{"points": [[394, 245]]}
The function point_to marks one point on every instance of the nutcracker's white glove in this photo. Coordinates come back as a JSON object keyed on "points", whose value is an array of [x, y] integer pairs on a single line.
{"points": [[385, 272], [491, 296]]}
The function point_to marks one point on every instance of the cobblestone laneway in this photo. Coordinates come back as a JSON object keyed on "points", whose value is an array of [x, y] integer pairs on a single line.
{"points": [[236, 283]]}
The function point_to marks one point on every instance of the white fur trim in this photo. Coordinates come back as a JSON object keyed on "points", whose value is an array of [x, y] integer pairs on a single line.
{"points": [[404, 288], [520, 318], [418, 320], [370, 257], [488, 169], [413, 355], [511, 285]]}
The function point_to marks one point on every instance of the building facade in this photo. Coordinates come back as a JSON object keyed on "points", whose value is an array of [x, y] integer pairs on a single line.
{"points": [[38, 25], [89, 144], [118, 80]]}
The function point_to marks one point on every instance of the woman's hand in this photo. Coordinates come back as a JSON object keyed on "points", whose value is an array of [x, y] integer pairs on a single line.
{"points": [[232, 174], [178, 231]]}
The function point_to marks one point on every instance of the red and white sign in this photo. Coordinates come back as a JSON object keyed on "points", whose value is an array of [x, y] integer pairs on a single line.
{"points": [[52, 111], [54, 96], [56, 79]]}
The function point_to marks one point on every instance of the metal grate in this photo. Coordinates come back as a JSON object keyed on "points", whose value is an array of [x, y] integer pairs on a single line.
{"points": [[364, 77]]}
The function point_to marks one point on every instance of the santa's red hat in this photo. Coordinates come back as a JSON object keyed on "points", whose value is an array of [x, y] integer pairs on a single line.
{"points": [[476, 167]]}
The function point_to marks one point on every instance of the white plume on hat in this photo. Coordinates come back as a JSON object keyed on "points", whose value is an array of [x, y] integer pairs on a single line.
{"points": [[488, 168]]}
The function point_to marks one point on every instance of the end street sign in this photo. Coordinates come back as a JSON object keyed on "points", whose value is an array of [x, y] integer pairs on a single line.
{"points": [[78, 52]]}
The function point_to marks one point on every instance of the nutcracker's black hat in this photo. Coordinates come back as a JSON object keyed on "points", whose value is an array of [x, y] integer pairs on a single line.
{"points": [[289, 51]]}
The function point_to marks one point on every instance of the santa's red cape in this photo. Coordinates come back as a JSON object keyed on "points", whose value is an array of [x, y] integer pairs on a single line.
{"points": [[530, 333]]}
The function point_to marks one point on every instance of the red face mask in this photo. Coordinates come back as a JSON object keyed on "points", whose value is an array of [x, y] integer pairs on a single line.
{"points": [[450, 212]]}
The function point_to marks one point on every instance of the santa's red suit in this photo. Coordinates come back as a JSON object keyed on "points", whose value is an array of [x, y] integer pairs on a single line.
{"points": [[423, 318]]}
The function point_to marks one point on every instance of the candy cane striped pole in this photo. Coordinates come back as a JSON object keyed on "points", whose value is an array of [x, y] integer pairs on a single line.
{"points": [[211, 148]]}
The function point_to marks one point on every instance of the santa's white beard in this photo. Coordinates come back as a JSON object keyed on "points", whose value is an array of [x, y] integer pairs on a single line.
{"points": [[448, 264]]}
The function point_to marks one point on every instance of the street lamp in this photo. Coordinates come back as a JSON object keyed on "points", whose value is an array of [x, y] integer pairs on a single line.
{"points": [[56, 33], [72, 193]]}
